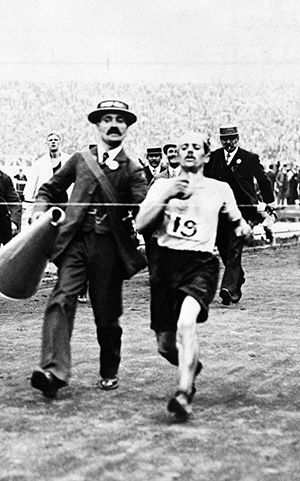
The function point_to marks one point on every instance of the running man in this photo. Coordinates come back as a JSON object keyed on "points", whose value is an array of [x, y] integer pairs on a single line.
{"points": [[184, 212]]}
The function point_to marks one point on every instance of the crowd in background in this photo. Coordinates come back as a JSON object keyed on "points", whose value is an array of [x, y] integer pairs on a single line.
{"points": [[267, 116], [285, 180]]}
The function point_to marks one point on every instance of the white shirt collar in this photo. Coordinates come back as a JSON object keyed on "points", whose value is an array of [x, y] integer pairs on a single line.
{"points": [[154, 170], [229, 157], [112, 153], [174, 171]]}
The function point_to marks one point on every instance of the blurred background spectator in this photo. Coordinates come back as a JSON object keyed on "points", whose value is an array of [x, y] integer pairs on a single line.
{"points": [[46, 165], [282, 185], [271, 173], [292, 184], [20, 180]]}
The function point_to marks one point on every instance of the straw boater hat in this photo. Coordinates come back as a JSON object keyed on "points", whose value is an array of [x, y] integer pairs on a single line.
{"points": [[228, 130], [114, 107], [166, 147], [154, 151]]}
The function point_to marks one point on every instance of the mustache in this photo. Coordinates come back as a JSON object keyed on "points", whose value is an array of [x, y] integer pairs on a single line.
{"points": [[113, 130]]}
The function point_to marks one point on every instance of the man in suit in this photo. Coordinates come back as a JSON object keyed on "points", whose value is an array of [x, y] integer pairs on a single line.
{"points": [[88, 247], [271, 174], [20, 180], [154, 167], [238, 168], [10, 209], [173, 167]]}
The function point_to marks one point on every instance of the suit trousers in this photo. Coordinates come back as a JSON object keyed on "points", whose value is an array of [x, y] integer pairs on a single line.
{"points": [[230, 248], [94, 259]]}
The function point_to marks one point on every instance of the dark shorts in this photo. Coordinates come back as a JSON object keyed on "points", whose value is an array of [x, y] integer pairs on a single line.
{"points": [[176, 274]]}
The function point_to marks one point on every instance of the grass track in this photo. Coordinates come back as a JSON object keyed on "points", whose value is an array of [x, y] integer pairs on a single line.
{"points": [[246, 425]]}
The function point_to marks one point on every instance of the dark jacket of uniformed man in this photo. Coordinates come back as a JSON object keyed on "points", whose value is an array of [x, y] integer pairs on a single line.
{"points": [[239, 168], [155, 167], [240, 174]]}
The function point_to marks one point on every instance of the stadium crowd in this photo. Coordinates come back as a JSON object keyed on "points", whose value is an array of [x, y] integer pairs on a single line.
{"points": [[266, 115]]}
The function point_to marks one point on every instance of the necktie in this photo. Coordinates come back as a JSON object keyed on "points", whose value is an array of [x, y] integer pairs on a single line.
{"points": [[104, 157], [228, 158], [154, 172]]}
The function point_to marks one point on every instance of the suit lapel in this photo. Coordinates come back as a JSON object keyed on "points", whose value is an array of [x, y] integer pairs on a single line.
{"points": [[94, 150], [236, 155], [121, 157]]}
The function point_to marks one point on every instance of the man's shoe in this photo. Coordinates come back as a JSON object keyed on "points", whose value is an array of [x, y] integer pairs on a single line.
{"points": [[236, 295], [107, 384], [225, 296], [180, 406], [46, 382]]}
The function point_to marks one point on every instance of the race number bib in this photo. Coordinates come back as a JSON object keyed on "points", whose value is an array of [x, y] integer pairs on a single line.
{"points": [[183, 227]]}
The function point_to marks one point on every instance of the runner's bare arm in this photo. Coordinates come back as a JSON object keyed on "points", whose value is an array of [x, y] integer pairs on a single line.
{"points": [[157, 198]]}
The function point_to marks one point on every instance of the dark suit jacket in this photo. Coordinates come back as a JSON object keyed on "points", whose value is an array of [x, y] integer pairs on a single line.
{"points": [[149, 175], [240, 175], [128, 180], [8, 212]]}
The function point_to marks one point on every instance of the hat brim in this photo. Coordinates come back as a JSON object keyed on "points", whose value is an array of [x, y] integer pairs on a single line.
{"points": [[229, 135], [95, 116], [166, 147], [154, 153]]}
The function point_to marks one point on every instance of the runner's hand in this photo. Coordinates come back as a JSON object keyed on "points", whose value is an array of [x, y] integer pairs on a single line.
{"points": [[179, 188]]}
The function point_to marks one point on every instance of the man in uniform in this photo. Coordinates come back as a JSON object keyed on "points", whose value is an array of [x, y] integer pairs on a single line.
{"points": [[154, 167], [238, 168], [90, 247], [20, 183]]}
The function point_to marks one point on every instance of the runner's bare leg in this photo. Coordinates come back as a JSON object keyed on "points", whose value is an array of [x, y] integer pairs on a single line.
{"points": [[187, 343]]}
